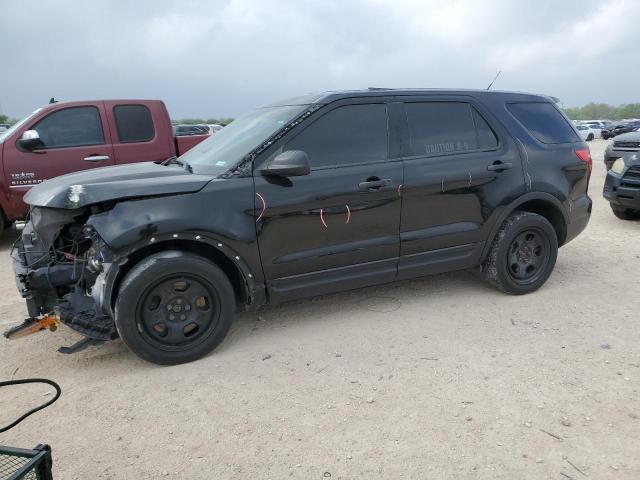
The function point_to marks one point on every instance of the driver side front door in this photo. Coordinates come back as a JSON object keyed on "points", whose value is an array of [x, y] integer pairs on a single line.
{"points": [[336, 228]]}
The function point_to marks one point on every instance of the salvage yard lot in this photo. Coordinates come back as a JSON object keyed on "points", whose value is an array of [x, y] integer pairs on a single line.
{"points": [[440, 377]]}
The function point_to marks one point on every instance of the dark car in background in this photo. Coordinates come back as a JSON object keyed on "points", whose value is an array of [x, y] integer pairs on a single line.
{"points": [[619, 129], [621, 145], [189, 130], [622, 187], [309, 196]]}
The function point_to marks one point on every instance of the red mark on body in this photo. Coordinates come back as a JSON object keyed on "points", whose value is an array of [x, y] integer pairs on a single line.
{"points": [[264, 206], [348, 214], [322, 218]]}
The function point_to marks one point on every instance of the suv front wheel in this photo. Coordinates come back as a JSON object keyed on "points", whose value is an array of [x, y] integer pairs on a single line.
{"points": [[523, 254], [174, 307]]}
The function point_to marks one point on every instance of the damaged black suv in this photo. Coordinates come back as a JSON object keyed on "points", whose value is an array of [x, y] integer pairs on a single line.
{"points": [[309, 196]]}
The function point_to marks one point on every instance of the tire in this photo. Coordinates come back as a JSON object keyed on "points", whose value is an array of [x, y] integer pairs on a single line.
{"points": [[174, 307], [522, 255], [625, 213], [589, 137]]}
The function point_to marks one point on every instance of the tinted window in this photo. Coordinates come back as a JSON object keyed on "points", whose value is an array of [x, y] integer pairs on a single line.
{"points": [[134, 123], [71, 127], [486, 136], [544, 122], [349, 134], [437, 128]]}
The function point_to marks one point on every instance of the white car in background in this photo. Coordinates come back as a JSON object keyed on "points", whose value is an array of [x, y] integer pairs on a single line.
{"points": [[588, 133]]}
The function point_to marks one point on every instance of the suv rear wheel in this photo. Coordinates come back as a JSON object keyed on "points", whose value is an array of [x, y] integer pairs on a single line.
{"points": [[625, 213], [523, 254], [174, 307]]}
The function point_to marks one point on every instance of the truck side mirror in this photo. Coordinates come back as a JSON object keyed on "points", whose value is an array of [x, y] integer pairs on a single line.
{"points": [[292, 163], [30, 140]]}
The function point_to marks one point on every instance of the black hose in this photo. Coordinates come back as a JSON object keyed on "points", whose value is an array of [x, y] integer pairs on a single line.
{"points": [[32, 411]]}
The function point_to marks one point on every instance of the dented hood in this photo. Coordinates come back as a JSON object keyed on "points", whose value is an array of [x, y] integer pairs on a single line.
{"points": [[97, 185]]}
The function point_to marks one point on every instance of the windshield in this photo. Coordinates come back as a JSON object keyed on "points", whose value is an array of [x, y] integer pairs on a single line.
{"points": [[229, 146], [16, 126]]}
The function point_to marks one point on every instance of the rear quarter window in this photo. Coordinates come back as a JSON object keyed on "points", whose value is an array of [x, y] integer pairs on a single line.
{"points": [[543, 121], [134, 123]]}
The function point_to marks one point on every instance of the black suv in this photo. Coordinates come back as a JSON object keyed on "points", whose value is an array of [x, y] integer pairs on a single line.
{"points": [[305, 197]]}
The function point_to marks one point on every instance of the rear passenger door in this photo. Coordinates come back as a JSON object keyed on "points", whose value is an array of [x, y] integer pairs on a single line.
{"points": [[140, 132], [459, 167]]}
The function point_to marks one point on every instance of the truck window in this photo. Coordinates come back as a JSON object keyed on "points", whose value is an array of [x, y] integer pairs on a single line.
{"points": [[346, 135], [134, 123], [441, 128], [71, 127], [543, 121]]}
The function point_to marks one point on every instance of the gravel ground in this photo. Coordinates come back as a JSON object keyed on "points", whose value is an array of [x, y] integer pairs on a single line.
{"points": [[440, 377]]}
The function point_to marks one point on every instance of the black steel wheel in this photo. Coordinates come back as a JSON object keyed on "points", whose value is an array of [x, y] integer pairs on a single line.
{"points": [[178, 310], [523, 254], [174, 307], [527, 256]]}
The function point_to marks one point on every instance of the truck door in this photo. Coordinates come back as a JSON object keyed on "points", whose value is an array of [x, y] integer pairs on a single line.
{"points": [[141, 131], [73, 138]]}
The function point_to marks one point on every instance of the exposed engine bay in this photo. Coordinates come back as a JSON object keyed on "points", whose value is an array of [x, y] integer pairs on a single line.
{"points": [[61, 265]]}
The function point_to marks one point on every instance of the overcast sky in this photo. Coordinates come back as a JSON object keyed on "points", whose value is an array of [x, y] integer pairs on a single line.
{"points": [[214, 58]]}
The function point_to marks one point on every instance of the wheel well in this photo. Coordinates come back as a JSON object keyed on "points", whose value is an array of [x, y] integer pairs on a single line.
{"points": [[202, 249], [551, 213]]}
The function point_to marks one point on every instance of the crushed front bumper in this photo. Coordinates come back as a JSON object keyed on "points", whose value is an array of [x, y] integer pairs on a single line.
{"points": [[73, 291]]}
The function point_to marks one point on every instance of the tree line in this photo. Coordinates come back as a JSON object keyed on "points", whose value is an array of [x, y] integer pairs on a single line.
{"points": [[7, 119], [593, 111]]}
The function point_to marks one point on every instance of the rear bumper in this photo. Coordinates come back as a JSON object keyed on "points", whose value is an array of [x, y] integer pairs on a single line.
{"points": [[621, 196], [578, 217]]}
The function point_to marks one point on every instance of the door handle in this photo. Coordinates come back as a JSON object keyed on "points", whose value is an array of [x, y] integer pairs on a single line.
{"points": [[498, 166], [374, 183], [96, 158]]}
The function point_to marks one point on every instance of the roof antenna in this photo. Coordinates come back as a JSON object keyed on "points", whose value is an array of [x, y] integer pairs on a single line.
{"points": [[494, 79], [53, 100]]}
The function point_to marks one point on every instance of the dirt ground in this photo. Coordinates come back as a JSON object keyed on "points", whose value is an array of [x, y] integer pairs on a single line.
{"points": [[440, 377]]}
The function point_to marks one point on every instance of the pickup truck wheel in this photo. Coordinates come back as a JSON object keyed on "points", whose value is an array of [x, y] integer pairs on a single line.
{"points": [[625, 213], [590, 137], [174, 307], [523, 254]]}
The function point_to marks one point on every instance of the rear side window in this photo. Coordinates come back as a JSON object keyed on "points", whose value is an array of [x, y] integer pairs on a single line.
{"points": [[134, 123], [440, 128], [345, 135], [544, 122], [71, 127]]}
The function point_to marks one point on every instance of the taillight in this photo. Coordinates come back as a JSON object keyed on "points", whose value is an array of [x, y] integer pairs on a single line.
{"points": [[584, 155]]}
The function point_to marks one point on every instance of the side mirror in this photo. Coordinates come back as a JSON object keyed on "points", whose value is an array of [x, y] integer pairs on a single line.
{"points": [[30, 140], [292, 163]]}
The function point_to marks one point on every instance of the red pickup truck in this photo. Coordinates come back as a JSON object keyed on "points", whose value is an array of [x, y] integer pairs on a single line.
{"points": [[67, 137]]}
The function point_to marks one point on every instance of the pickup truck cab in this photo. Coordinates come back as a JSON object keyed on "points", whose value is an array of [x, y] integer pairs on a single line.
{"points": [[67, 137]]}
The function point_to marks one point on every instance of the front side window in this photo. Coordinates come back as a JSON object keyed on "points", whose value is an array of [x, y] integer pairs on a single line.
{"points": [[134, 123], [441, 128], [71, 127], [346, 135]]}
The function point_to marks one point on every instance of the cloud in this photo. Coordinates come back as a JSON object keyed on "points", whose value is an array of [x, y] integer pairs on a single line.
{"points": [[221, 58]]}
